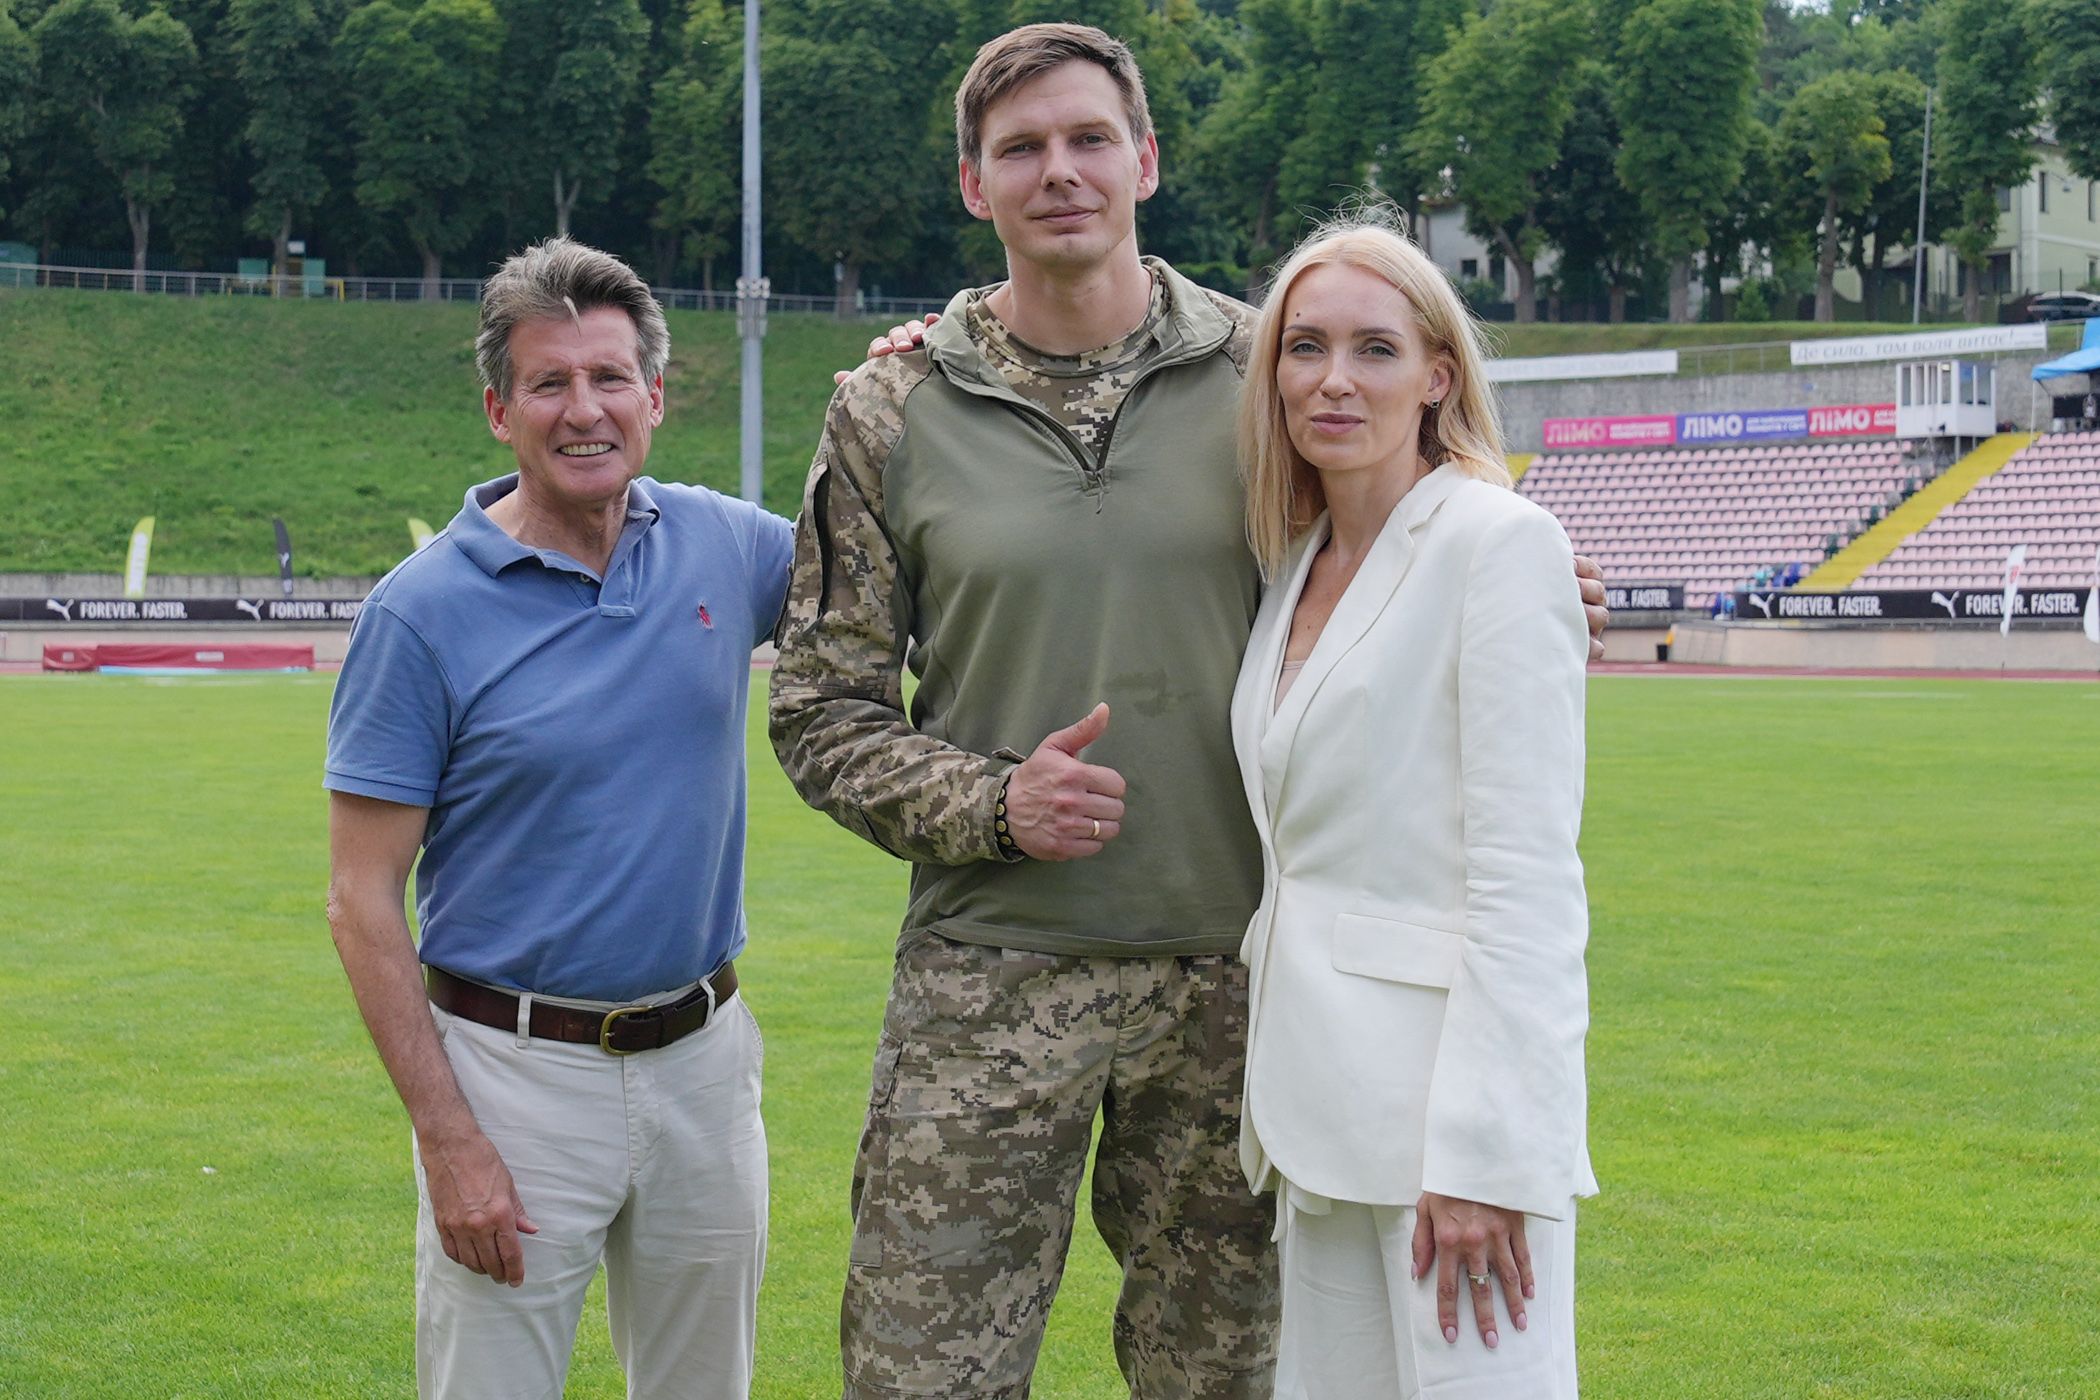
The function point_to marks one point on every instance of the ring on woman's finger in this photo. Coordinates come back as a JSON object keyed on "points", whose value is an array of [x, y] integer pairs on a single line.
{"points": [[1097, 829], [1479, 1280]]}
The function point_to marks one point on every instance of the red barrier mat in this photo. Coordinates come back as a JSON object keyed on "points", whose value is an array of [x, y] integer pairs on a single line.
{"points": [[160, 656]]}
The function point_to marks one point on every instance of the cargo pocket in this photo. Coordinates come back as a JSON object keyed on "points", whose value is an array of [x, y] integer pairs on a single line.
{"points": [[870, 1164]]}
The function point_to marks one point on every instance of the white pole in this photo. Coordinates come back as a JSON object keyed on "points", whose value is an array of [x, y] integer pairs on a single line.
{"points": [[752, 289], [1917, 257]]}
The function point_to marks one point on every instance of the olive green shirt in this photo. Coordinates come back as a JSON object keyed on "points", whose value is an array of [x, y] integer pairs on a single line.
{"points": [[1026, 561]]}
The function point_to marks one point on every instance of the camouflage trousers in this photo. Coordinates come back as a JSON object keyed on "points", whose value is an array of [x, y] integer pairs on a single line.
{"points": [[992, 1067]]}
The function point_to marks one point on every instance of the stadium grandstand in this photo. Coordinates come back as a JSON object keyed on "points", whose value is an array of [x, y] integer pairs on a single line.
{"points": [[1929, 511], [2046, 496], [1720, 519]]}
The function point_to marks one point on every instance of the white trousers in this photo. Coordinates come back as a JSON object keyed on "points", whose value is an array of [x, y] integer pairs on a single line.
{"points": [[1356, 1327], [654, 1163]]}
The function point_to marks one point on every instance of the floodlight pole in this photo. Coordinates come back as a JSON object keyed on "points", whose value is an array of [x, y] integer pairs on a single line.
{"points": [[1917, 257], [752, 289]]}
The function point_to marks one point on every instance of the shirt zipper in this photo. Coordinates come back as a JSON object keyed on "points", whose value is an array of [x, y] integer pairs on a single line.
{"points": [[1093, 473]]}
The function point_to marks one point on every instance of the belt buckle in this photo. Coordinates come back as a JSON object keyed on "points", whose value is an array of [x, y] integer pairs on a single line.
{"points": [[605, 1028]]}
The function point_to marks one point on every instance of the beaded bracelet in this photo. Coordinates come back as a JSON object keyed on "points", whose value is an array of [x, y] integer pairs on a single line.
{"points": [[1009, 849]]}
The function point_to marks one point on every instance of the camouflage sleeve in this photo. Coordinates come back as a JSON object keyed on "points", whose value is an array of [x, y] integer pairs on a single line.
{"points": [[836, 708]]}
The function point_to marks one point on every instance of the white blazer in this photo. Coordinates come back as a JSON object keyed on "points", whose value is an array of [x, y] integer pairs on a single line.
{"points": [[1418, 1000]]}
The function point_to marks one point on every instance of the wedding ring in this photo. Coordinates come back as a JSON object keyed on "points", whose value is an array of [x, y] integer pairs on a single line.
{"points": [[1480, 1280], [1097, 829]]}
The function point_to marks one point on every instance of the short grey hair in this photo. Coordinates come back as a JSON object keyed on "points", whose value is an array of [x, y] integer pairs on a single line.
{"points": [[563, 278]]}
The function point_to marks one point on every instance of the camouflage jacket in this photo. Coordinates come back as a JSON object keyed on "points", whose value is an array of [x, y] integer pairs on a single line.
{"points": [[1022, 571]]}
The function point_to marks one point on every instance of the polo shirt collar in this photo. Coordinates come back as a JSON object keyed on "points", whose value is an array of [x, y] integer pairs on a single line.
{"points": [[492, 550]]}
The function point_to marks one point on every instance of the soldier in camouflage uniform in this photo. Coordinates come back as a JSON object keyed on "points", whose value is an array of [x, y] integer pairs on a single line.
{"points": [[1034, 533], [1030, 533]]}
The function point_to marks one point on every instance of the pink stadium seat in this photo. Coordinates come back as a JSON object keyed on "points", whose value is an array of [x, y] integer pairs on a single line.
{"points": [[1712, 517], [2047, 497]]}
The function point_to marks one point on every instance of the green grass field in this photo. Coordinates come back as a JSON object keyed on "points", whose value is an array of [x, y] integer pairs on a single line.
{"points": [[1842, 1068], [215, 414]]}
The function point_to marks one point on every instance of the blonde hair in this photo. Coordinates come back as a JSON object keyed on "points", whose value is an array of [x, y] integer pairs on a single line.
{"points": [[1464, 428], [1018, 55]]}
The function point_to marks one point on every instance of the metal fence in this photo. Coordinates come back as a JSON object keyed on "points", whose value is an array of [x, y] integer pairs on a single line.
{"points": [[153, 282], [1750, 357], [1753, 357]]}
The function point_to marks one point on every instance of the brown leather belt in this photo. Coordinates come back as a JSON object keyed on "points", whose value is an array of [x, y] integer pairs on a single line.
{"points": [[620, 1031]]}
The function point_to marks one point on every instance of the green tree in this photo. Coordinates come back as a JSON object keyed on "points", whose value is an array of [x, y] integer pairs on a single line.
{"points": [[1757, 221], [843, 77], [131, 77], [2069, 32], [1186, 54], [422, 75], [1889, 218], [1834, 135], [208, 161], [1429, 32], [1687, 70], [1321, 110], [1493, 117], [281, 56], [1589, 216], [573, 66], [694, 124], [1983, 126], [1356, 131], [17, 75], [1240, 149]]}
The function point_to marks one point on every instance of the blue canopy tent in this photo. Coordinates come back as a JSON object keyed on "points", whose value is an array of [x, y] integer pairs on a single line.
{"points": [[2084, 360]]}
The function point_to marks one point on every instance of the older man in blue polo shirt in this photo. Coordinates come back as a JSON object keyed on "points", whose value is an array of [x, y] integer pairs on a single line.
{"points": [[548, 702]]}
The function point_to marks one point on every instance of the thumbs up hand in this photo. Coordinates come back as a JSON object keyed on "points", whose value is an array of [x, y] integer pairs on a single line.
{"points": [[1059, 807]]}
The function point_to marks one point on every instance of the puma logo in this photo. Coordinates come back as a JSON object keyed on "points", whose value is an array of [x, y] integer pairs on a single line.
{"points": [[1762, 602], [253, 610], [1945, 600], [64, 610]]}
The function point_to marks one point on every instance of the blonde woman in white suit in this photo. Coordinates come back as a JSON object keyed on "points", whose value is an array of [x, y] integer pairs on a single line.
{"points": [[1409, 723]]}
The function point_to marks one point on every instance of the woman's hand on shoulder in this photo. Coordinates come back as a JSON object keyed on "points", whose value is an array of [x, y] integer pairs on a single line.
{"points": [[1589, 578], [1482, 1242]]}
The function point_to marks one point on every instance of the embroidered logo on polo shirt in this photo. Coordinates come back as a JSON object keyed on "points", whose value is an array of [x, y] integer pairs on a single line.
{"points": [[705, 620]]}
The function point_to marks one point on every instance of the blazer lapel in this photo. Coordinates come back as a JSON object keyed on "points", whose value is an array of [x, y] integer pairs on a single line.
{"points": [[1377, 580], [1254, 701]]}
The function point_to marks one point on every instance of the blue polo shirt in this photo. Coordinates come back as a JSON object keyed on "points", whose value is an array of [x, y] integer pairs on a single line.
{"points": [[579, 741]]}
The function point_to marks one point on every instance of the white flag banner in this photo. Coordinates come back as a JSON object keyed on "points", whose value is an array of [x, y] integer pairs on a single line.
{"points": [[2014, 562], [136, 557], [2092, 602]]}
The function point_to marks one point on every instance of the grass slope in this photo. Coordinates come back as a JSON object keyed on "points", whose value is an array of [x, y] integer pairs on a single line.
{"points": [[1841, 1063], [215, 414]]}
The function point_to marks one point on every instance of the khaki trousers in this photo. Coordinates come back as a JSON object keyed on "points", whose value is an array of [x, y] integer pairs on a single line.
{"points": [[654, 1164]]}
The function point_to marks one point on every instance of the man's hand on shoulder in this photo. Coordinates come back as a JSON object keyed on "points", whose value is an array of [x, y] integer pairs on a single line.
{"points": [[1591, 580], [909, 336], [1059, 807], [479, 1216]]}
